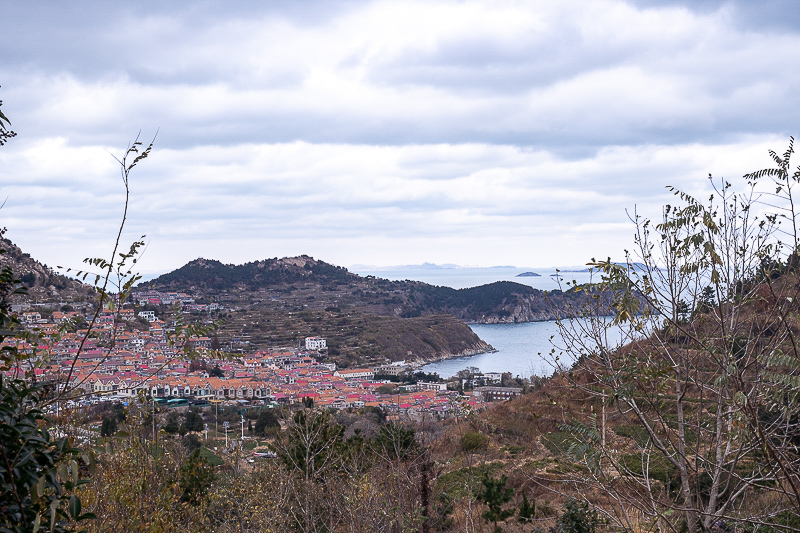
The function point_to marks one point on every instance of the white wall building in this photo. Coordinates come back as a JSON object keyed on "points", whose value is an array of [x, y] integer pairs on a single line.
{"points": [[316, 343], [150, 316]]}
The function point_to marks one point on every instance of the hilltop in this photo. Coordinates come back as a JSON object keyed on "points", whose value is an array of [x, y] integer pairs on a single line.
{"points": [[42, 282]]}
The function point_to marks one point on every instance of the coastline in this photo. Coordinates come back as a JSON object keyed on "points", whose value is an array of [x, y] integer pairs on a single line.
{"points": [[469, 352]]}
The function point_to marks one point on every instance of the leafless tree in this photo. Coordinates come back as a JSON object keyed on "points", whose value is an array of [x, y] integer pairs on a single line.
{"points": [[698, 366]]}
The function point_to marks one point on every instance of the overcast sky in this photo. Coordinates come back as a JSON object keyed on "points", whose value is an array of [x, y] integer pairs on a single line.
{"points": [[383, 133]]}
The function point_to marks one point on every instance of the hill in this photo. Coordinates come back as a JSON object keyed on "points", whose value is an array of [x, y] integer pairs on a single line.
{"points": [[42, 282], [278, 302], [300, 278]]}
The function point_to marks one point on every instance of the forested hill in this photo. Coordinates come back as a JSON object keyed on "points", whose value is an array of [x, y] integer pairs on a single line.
{"points": [[209, 274], [315, 284]]}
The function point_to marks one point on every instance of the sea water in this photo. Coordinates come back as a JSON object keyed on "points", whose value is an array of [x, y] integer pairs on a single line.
{"points": [[522, 349], [460, 278]]}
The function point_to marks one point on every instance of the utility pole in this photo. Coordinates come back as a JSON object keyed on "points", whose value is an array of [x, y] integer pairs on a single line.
{"points": [[242, 427], [154, 419]]}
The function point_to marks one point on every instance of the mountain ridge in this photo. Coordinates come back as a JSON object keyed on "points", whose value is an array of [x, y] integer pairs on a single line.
{"points": [[501, 301]]}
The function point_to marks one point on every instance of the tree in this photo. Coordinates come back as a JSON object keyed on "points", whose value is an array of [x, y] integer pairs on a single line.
{"points": [[312, 443], [527, 510], [495, 495], [396, 444], [266, 421], [310, 451], [39, 474], [196, 477], [699, 367], [216, 372], [473, 440], [578, 517], [193, 421], [109, 426]]}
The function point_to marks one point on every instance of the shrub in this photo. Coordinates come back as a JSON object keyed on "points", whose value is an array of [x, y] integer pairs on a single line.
{"points": [[473, 440], [578, 517]]}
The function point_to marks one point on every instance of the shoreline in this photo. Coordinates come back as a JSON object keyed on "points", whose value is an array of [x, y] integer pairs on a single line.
{"points": [[488, 348]]}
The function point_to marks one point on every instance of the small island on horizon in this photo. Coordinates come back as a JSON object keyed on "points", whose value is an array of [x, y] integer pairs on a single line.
{"points": [[527, 275]]}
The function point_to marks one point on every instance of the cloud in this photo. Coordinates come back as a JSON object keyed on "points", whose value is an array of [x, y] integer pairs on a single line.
{"points": [[548, 75], [383, 131], [248, 202]]}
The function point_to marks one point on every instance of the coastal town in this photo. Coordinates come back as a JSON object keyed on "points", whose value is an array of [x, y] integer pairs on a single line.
{"points": [[122, 354]]}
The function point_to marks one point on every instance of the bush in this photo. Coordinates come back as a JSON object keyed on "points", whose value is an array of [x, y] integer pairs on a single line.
{"points": [[473, 440], [191, 443], [194, 422], [578, 517], [197, 475]]}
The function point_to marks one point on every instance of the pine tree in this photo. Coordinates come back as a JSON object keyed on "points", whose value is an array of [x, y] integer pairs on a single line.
{"points": [[495, 495], [527, 510]]}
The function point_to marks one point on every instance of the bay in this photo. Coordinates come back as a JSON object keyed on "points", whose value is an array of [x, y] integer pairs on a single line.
{"points": [[522, 349]]}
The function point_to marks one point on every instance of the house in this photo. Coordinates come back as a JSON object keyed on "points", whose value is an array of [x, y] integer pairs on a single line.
{"points": [[316, 343], [150, 316], [356, 374], [105, 385], [491, 394]]}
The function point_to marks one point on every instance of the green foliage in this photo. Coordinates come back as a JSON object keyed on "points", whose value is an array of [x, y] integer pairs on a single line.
{"points": [[313, 442], [193, 421], [527, 510], [191, 443], [466, 482], [495, 495], [559, 442], [266, 421], [9, 324], [108, 426], [578, 517], [39, 474], [473, 440], [196, 478]]}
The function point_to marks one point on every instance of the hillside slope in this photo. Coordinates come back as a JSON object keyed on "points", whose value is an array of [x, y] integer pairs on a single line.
{"points": [[42, 282]]}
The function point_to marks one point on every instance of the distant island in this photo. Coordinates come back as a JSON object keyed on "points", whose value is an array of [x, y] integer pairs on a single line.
{"points": [[528, 275]]}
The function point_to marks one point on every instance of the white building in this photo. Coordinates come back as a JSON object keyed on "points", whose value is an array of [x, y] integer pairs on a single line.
{"points": [[316, 343], [356, 374], [150, 316]]}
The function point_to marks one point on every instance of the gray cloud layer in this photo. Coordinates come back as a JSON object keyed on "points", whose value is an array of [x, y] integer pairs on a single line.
{"points": [[384, 132]]}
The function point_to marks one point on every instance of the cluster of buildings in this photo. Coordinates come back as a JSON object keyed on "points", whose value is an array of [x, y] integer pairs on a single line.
{"points": [[185, 301], [122, 360]]}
